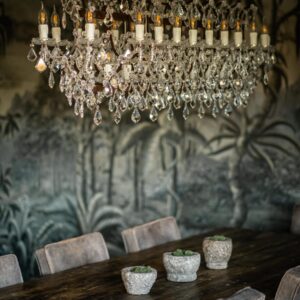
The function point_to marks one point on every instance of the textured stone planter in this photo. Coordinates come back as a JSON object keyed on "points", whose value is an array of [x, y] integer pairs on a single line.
{"points": [[138, 283], [181, 268], [217, 253]]}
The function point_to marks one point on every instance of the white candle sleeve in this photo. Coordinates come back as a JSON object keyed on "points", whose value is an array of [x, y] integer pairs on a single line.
{"points": [[126, 71], [43, 32], [238, 38], [193, 35], [159, 34], [56, 34], [209, 37], [139, 32], [115, 35], [177, 34], [265, 40], [253, 39], [224, 38], [90, 31]]}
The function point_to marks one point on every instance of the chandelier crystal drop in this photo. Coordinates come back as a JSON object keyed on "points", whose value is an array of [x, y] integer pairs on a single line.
{"points": [[154, 55]]}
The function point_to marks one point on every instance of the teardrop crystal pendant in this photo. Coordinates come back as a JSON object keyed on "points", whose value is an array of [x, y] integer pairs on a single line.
{"points": [[117, 117], [51, 80], [153, 114], [64, 20], [136, 116], [76, 108], [170, 114], [186, 112], [32, 56], [98, 116], [41, 66], [201, 111]]}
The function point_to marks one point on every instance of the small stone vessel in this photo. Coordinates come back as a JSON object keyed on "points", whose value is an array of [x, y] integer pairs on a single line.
{"points": [[181, 268], [217, 252], [138, 283]]}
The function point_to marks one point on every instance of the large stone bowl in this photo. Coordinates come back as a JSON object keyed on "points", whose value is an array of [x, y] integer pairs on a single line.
{"points": [[181, 268], [217, 253], [138, 283]]}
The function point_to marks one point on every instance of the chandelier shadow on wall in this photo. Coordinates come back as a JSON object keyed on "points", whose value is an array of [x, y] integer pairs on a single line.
{"points": [[154, 55]]}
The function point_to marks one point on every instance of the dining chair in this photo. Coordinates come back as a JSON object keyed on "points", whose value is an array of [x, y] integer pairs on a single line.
{"points": [[10, 273], [41, 259], [247, 294], [289, 287], [76, 252], [295, 227], [151, 234]]}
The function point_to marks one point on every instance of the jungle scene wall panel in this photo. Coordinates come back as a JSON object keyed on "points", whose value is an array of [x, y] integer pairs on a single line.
{"points": [[60, 176]]}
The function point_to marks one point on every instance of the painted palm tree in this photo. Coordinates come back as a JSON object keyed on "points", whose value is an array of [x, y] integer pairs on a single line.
{"points": [[164, 139], [251, 136]]}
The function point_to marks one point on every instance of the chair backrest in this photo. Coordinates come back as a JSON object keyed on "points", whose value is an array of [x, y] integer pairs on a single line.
{"points": [[295, 227], [41, 259], [247, 294], [76, 252], [151, 234], [289, 287], [10, 273]]}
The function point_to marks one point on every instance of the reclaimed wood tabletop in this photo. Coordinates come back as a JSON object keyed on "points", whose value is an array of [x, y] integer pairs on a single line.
{"points": [[259, 260]]}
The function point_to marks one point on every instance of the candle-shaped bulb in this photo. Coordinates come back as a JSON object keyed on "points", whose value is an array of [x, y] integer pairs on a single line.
{"points": [[265, 29], [89, 17], [253, 26], [158, 21], [209, 25], [224, 25], [139, 18], [132, 27], [177, 22], [193, 23], [115, 25], [55, 20], [43, 16], [238, 26]]}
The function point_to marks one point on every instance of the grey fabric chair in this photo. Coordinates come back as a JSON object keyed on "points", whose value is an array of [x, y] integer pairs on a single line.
{"points": [[76, 252], [151, 234], [295, 227], [10, 273], [41, 259], [247, 294], [289, 287]]}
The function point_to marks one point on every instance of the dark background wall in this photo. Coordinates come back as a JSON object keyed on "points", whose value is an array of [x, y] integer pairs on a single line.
{"points": [[62, 177]]}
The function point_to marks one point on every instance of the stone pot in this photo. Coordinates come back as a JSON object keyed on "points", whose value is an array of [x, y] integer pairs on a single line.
{"points": [[181, 268], [138, 283], [217, 253]]}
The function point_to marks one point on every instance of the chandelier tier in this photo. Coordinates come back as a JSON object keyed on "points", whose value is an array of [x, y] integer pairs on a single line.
{"points": [[136, 56]]}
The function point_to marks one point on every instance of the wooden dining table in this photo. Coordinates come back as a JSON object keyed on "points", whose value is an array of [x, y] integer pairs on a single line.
{"points": [[259, 260]]}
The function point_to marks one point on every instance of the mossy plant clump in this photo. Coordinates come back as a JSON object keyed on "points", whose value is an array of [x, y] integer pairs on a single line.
{"points": [[141, 269], [180, 252], [218, 238]]}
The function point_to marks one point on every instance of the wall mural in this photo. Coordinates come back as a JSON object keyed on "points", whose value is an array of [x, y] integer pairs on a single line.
{"points": [[62, 177]]}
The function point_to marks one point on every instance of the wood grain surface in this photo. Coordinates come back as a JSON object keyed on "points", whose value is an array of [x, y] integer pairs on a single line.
{"points": [[259, 260]]}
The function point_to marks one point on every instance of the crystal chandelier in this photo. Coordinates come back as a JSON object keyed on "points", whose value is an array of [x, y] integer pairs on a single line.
{"points": [[154, 55]]}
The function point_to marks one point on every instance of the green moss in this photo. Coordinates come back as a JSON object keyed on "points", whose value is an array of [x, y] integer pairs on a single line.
{"points": [[141, 269], [218, 238], [180, 252]]}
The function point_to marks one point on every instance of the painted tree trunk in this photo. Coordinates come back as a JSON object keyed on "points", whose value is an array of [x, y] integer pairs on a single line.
{"points": [[111, 174], [93, 166], [136, 179]]}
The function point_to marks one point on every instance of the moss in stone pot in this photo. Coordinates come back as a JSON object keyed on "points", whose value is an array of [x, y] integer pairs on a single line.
{"points": [[138, 280], [182, 265], [217, 251]]}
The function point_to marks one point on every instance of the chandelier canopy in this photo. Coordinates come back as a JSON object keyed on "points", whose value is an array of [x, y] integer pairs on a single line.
{"points": [[154, 55]]}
